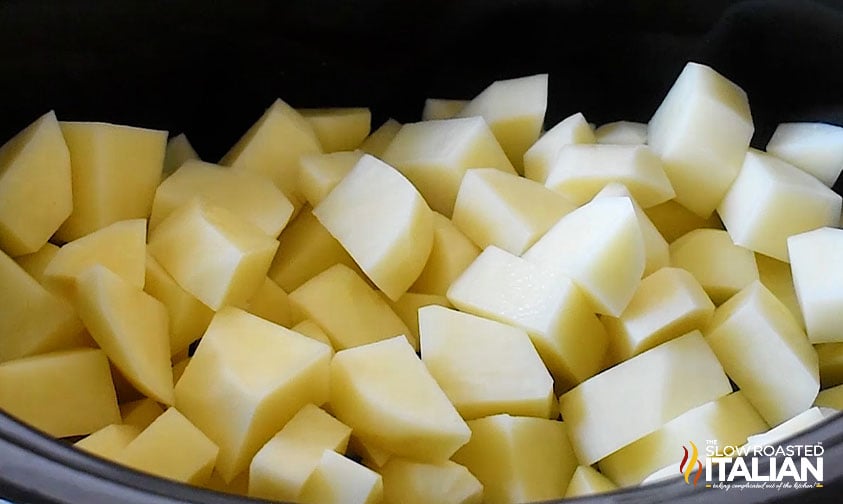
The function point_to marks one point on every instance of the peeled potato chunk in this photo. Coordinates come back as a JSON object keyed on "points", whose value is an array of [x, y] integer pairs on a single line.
{"points": [[701, 132], [519, 459], [439, 108], [673, 220], [247, 378], [36, 262], [587, 481], [622, 133], [385, 393], [382, 221], [339, 480], [816, 148], [109, 441], [407, 308], [450, 255], [784, 378], [636, 397], [797, 424], [35, 186], [377, 142], [270, 302], [831, 398], [312, 330], [505, 210], [320, 173], [484, 367], [177, 152], [830, 357], [607, 265], [371, 456], [140, 413], [776, 276], [409, 482], [771, 200], [66, 393], [434, 156], [542, 155], [339, 129], [817, 277], [115, 170]]}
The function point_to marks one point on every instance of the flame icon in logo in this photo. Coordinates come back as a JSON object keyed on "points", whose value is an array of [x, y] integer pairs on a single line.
{"points": [[686, 467]]}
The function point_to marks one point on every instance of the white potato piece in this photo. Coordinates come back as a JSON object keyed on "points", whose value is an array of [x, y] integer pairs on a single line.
{"points": [[441, 108], [817, 279], [541, 156], [371, 456], [312, 330], [771, 200], [407, 308], [109, 441], [140, 413], [782, 379], [816, 148], [382, 221], [608, 265], [795, 425], [701, 132], [831, 398], [636, 397], [270, 302], [830, 359], [409, 482], [588, 481], [36, 262], [450, 255], [673, 220], [581, 171], [776, 276], [622, 133], [505, 210], [320, 173], [338, 480], [339, 129], [377, 142], [177, 152]]}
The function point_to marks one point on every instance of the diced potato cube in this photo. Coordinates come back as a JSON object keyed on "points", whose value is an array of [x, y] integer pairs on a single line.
{"points": [[407, 308], [542, 155], [782, 378], [776, 276], [580, 171], [312, 330], [797, 424], [673, 220], [270, 302], [622, 133], [140, 413], [519, 459], [608, 265], [320, 173], [701, 132], [36, 262], [587, 481], [435, 155], [771, 200], [109, 441], [385, 393], [377, 143], [830, 359], [338, 480], [178, 369], [382, 221], [339, 129], [409, 482], [831, 398], [568, 336], [816, 148], [115, 170], [178, 151], [243, 193], [35, 186], [371, 456], [817, 277], [720, 266], [247, 378], [213, 254], [636, 397], [280, 469], [67, 393], [272, 147], [505, 210], [450, 255], [131, 327], [439, 108], [172, 447]]}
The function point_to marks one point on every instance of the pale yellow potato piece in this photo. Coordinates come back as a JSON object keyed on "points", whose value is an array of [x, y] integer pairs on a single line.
{"points": [[188, 317], [831, 398], [66, 393], [270, 302], [588, 481], [440, 108], [541, 156], [782, 378], [434, 156], [514, 110], [281, 467], [484, 367], [830, 360], [667, 304], [608, 265], [140, 413], [636, 397], [177, 152], [115, 170], [701, 132], [346, 308], [771, 200], [339, 129], [505, 210], [320, 173], [211, 253], [407, 308], [656, 250], [385, 393], [817, 279], [719, 265], [567, 334], [729, 420], [795, 425], [382, 221], [581, 171], [371, 456], [35, 186], [178, 369], [410, 482], [245, 194], [312, 330], [109, 441], [816, 148], [306, 249], [172, 447], [36, 262], [338, 480], [272, 147], [776, 276], [673, 220], [120, 247], [238, 486], [622, 133], [450, 255], [247, 378], [131, 327], [519, 459], [378, 141], [33, 320]]}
